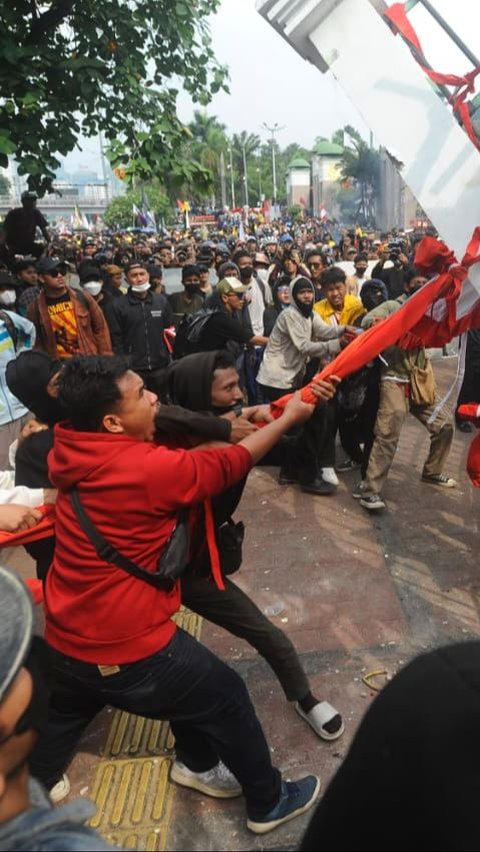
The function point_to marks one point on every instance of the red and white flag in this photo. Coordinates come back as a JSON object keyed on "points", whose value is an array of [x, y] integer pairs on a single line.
{"points": [[445, 307]]}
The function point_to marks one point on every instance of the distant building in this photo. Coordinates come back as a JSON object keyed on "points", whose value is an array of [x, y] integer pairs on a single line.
{"points": [[326, 172], [397, 206], [298, 183]]}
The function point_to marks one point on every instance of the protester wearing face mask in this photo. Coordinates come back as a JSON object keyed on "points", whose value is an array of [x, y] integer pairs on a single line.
{"points": [[190, 300], [92, 283], [138, 323], [258, 296], [8, 291], [68, 322]]}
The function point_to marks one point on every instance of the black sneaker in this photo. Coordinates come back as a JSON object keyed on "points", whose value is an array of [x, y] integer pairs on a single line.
{"points": [[287, 477], [373, 503], [464, 426], [319, 487], [296, 797]]}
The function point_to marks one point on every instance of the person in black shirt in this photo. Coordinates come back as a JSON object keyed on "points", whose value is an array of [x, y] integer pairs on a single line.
{"points": [[137, 326], [225, 330], [20, 225]]}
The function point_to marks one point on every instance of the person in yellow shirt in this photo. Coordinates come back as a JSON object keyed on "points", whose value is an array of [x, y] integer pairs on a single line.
{"points": [[338, 307]]}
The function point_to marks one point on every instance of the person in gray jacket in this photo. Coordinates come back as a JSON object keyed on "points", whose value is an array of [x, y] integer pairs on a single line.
{"points": [[298, 336], [28, 820]]}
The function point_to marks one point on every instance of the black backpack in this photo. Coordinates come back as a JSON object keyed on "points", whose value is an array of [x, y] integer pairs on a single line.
{"points": [[189, 332]]}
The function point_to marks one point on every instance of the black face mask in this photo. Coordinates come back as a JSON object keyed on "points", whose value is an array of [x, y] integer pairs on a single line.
{"points": [[305, 309], [246, 273], [38, 663], [192, 289], [372, 300]]}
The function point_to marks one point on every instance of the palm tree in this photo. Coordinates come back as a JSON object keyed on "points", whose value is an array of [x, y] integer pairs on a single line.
{"points": [[361, 163], [208, 142]]}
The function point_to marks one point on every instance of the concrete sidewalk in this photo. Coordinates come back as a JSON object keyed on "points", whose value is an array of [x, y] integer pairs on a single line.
{"points": [[356, 593]]}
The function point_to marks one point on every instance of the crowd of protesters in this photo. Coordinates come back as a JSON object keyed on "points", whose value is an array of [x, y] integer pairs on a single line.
{"points": [[113, 383]]}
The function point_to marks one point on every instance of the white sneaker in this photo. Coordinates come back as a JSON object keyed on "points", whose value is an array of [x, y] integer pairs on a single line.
{"points": [[329, 475], [217, 782], [60, 790]]}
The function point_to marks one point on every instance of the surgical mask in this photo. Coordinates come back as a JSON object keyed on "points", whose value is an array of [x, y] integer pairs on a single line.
{"points": [[246, 273], [8, 297], [263, 275], [141, 288], [93, 287]]}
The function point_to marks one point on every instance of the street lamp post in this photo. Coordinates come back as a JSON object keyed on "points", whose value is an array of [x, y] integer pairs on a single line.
{"points": [[259, 173], [245, 179], [232, 182], [273, 130]]}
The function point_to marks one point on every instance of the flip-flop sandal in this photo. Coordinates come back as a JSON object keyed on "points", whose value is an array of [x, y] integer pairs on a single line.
{"points": [[318, 717]]}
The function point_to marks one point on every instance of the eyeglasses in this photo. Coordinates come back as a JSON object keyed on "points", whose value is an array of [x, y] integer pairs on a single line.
{"points": [[54, 273], [314, 265], [234, 293]]}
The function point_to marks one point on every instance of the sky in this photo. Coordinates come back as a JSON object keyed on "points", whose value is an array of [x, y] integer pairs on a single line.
{"points": [[271, 83]]}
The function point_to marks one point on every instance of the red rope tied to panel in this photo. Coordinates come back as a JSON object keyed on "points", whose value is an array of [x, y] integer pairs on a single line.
{"points": [[401, 25]]}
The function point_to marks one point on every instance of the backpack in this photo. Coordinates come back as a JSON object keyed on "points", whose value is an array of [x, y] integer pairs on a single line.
{"points": [[189, 332]]}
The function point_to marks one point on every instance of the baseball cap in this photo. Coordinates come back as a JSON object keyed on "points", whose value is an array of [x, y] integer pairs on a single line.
{"points": [[48, 264], [231, 285], [6, 280], [16, 628], [286, 238], [260, 257]]}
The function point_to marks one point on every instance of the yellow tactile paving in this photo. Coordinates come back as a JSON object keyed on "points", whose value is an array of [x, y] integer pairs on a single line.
{"points": [[131, 788]]}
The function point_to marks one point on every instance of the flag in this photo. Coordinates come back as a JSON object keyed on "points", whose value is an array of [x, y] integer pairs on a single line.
{"points": [[442, 309], [147, 213], [139, 219], [323, 215]]}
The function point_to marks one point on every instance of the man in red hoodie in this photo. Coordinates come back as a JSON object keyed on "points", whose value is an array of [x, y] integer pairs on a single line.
{"points": [[111, 633]]}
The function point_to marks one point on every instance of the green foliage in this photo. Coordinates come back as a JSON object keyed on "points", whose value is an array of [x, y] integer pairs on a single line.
{"points": [[119, 212], [295, 213], [71, 68], [362, 164]]}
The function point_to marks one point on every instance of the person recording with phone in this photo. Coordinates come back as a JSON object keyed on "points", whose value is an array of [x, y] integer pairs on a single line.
{"points": [[391, 267]]}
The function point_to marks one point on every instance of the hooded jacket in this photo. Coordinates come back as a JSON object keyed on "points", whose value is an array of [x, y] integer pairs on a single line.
{"points": [[294, 340], [132, 490]]}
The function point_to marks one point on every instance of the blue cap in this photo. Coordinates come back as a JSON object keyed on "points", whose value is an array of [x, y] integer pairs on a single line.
{"points": [[286, 238]]}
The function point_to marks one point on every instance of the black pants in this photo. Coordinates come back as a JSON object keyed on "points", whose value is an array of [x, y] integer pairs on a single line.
{"points": [[206, 703], [314, 446], [236, 612]]}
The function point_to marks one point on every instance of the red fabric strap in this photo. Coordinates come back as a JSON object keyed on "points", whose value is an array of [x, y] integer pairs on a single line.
{"points": [[44, 529], [212, 545]]}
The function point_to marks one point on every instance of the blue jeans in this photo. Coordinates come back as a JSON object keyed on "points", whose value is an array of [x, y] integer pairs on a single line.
{"points": [[206, 703]]}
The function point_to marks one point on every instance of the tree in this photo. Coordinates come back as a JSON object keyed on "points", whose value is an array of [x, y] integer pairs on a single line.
{"points": [[362, 163], [72, 68], [119, 212], [208, 142]]}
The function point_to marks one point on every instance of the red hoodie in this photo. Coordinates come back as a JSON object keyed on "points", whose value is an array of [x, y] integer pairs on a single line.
{"points": [[132, 491]]}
